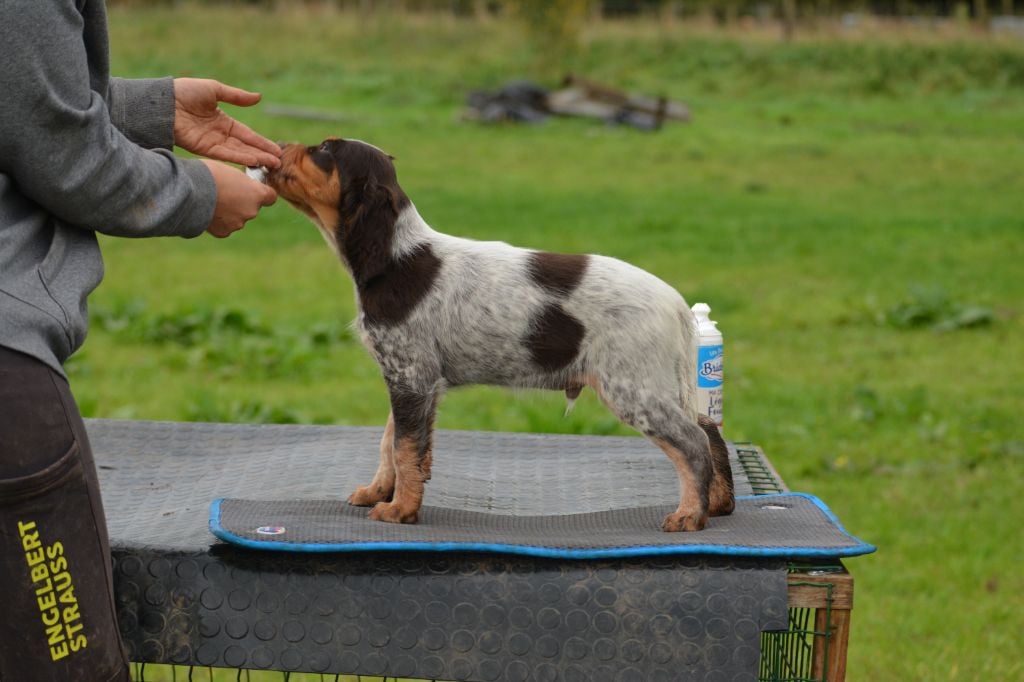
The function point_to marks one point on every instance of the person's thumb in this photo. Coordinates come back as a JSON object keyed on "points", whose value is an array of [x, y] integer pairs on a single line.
{"points": [[269, 195], [236, 96]]}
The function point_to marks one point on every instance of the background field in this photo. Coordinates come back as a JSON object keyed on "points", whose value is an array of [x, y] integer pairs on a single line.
{"points": [[834, 199]]}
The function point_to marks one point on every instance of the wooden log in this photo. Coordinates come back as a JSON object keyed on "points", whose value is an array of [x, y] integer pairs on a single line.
{"points": [[582, 97]]}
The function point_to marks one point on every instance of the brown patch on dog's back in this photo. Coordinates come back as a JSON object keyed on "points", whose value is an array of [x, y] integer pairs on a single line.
{"points": [[394, 292], [555, 339], [558, 273]]}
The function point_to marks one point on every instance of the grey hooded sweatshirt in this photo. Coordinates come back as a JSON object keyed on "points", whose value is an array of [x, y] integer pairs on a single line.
{"points": [[80, 154]]}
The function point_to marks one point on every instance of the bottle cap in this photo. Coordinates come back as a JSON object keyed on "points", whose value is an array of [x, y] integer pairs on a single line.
{"points": [[705, 325]]}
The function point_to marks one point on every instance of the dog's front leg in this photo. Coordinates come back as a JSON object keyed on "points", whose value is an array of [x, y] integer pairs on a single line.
{"points": [[382, 487], [413, 417]]}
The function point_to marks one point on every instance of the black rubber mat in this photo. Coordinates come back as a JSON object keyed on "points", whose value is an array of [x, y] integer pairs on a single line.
{"points": [[159, 478], [769, 525], [184, 597]]}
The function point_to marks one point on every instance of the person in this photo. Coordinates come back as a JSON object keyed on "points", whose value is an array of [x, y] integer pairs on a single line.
{"points": [[82, 153]]}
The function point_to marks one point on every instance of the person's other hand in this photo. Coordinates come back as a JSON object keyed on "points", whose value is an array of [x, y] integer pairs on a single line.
{"points": [[202, 128], [239, 199]]}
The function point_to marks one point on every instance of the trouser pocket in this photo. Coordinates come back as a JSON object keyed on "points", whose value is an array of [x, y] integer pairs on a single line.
{"points": [[58, 621]]}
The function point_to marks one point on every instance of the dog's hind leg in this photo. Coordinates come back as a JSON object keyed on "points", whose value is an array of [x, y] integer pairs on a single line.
{"points": [[413, 417], [722, 499], [382, 487], [685, 443]]}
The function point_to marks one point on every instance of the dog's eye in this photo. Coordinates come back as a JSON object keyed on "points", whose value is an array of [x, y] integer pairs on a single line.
{"points": [[324, 148], [322, 157]]}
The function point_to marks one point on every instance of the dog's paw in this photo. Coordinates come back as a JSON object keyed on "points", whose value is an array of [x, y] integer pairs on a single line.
{"points": [[368, 495], [683, 523], [391, 512]]}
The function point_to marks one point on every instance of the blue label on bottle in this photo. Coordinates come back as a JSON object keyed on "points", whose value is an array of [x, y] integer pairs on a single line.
{"points": [[709, 366]]}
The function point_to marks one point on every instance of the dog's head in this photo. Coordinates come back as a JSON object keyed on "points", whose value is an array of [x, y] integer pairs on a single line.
{"points": [[341, 185], [350, 191]]}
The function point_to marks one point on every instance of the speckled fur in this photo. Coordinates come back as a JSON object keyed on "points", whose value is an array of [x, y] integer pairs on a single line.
{"points": [[489, 315]]}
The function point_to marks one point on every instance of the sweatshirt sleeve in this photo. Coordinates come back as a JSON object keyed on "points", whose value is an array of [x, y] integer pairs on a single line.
{"points": [[143, 110], [60, 144]]}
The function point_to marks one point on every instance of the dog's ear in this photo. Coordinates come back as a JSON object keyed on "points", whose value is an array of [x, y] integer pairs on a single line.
{"points": [[368, 202], [369, 211], [381, 195], [369, 184]]}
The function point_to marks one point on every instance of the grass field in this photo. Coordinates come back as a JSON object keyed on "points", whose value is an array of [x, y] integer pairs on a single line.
{"points": [[851, 208]]}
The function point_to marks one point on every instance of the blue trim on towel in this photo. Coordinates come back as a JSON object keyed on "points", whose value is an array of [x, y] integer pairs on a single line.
{"points": [[558, 553]]}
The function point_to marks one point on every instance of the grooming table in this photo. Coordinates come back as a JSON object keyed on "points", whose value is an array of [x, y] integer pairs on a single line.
{"points": [[187, 598]]}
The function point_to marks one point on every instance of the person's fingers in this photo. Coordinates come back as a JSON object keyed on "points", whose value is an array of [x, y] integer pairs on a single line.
{"points": [[233, 151], [269, 195], [243, 156], [198, 118], [239, 199], [236, 96], [266, 159], [246, 135]]}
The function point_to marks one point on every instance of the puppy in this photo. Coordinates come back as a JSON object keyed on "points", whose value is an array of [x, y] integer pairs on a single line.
{"points": [[438, 311]]}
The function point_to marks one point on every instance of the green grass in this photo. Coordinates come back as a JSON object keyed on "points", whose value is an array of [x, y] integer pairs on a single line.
{"points": [[824, 189]]}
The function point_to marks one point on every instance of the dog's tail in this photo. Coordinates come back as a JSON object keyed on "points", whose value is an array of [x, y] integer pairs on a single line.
{"points": [[688, 341]]}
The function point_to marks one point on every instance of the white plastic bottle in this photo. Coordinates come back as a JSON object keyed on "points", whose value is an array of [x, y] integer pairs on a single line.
{"points": [[709, 364]]}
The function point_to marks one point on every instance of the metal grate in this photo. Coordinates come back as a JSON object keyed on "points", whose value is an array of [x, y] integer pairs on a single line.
{"points": [[762, 477]]}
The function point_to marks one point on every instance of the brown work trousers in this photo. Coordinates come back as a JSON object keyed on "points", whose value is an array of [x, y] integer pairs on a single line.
{"points": [[57, 615]]}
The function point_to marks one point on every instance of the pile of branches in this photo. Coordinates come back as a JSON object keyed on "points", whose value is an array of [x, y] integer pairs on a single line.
{"points": [[527, 102]]}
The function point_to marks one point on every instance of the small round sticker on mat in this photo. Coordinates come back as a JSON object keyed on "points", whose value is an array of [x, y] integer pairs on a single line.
{"points": [[270, 530]]}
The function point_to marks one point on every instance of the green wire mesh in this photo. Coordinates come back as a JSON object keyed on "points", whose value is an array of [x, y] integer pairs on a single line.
{"points": [[787, 655]]}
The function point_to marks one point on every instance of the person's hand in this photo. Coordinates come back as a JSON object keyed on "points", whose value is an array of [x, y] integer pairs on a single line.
{"points": [[239, 199], [202, 128]]}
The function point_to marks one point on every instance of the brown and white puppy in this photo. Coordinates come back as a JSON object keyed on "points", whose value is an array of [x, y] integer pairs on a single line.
{"points": [[437, 311]]}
